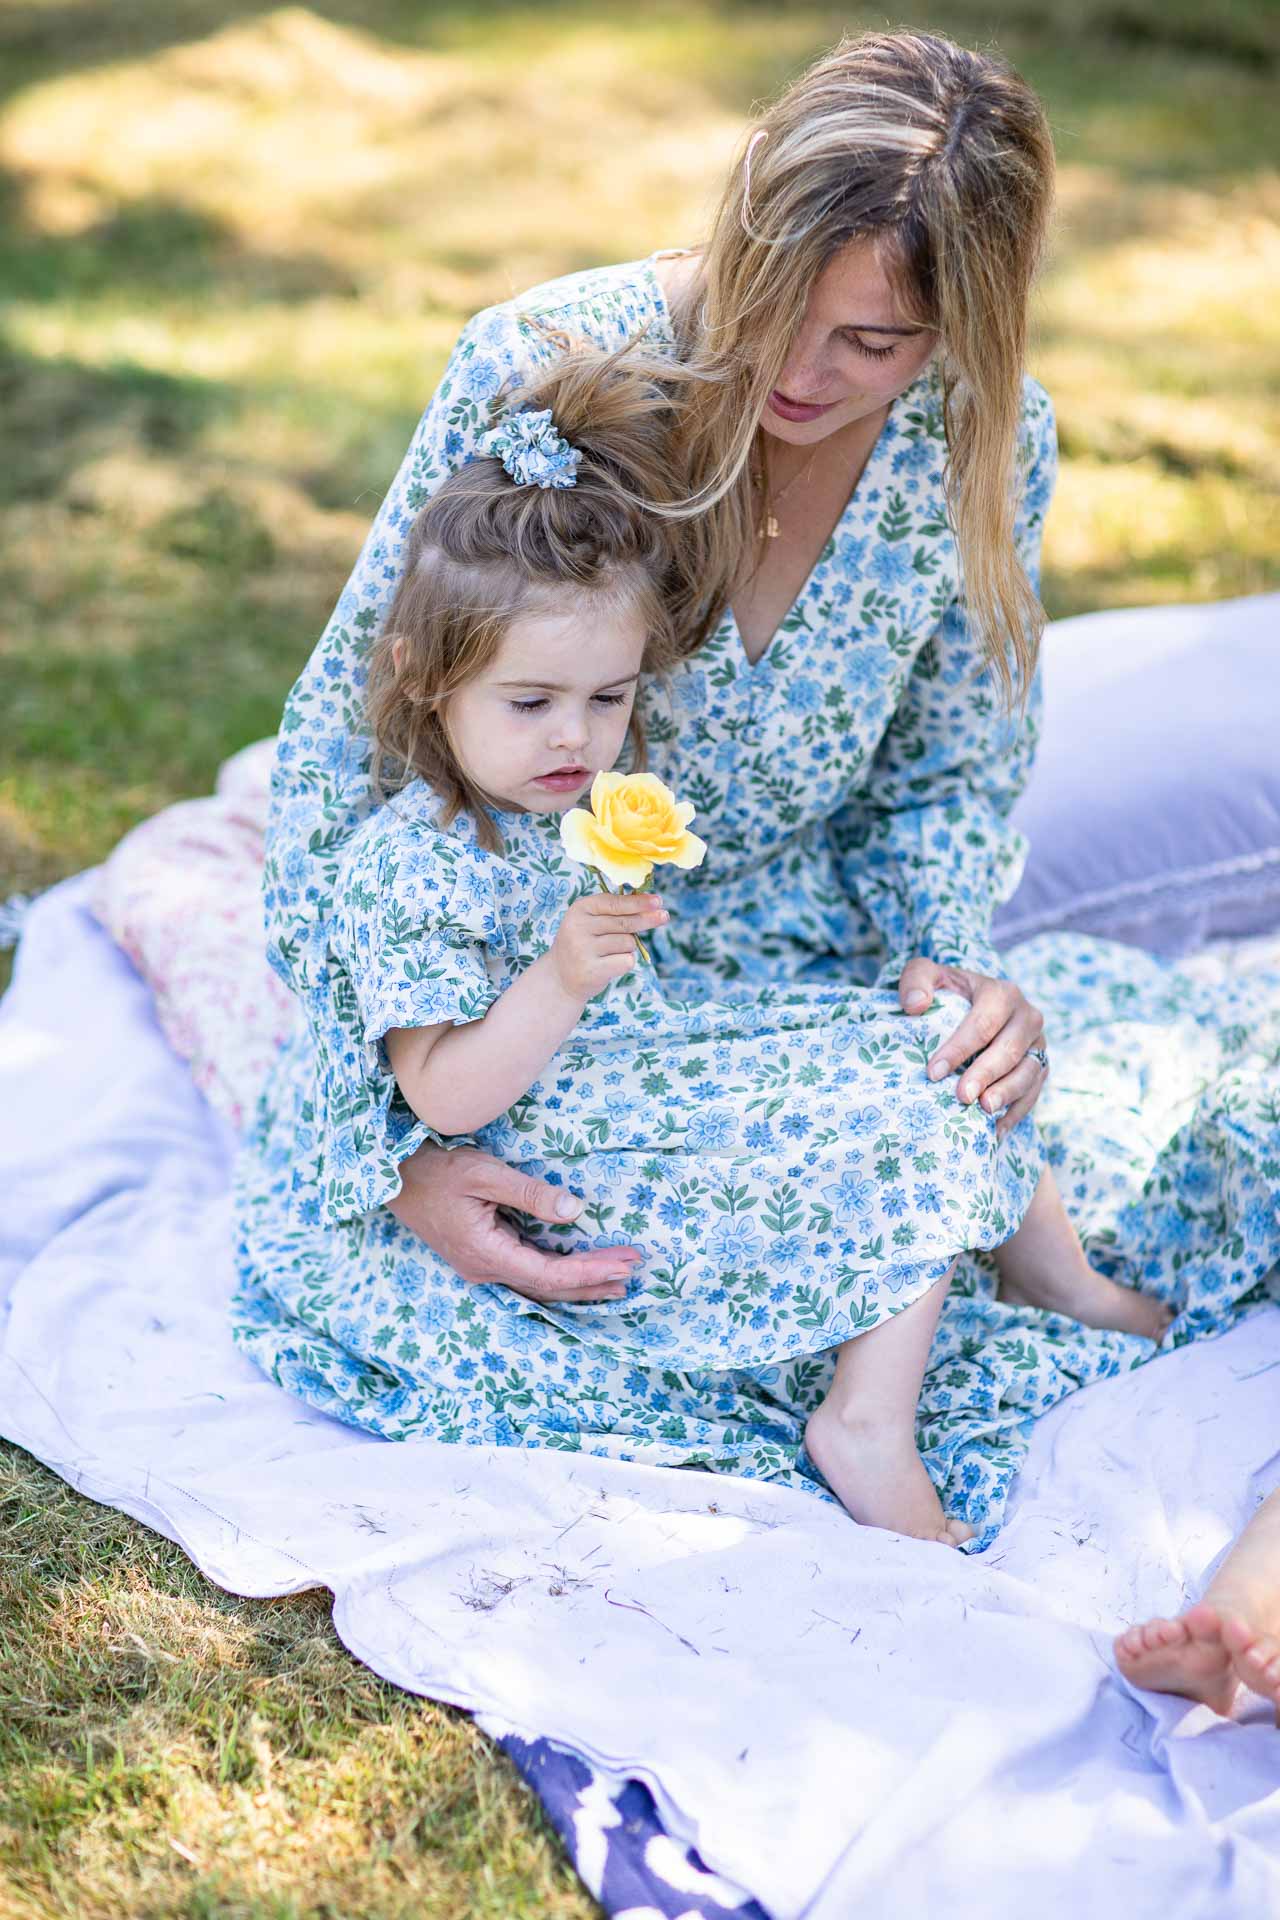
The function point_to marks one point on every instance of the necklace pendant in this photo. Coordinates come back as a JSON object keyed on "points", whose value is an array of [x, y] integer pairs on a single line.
{"points": [[768, 529]]}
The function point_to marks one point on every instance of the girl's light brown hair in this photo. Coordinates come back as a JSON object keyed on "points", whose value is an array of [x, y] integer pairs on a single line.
{"points": [[484, 550], [942, 158]]}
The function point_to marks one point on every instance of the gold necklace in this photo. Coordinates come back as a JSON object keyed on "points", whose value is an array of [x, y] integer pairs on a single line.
{"points": [[768, 528]]}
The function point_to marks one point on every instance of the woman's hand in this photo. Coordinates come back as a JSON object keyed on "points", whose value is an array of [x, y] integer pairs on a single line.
{"points": [[994, 1038], [450, 1199]]}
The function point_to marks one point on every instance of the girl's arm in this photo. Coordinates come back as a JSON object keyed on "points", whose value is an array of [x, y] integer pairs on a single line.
{"points": [[458, 1078]]}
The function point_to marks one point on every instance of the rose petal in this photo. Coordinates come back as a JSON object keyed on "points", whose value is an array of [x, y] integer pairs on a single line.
{"points": [[603, 787], [609, 834], [650, 785], [690, 853], [623, 870], [577, 835]]}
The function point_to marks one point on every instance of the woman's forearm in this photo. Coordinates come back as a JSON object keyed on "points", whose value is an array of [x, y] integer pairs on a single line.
{"points": [[460, 1078]]}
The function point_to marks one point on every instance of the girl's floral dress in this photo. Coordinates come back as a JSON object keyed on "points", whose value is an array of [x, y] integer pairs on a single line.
{"points": [[754, 1111]]}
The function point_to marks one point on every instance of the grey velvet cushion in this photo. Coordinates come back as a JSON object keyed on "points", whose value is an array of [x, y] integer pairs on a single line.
{"points": [[1154, 809]]}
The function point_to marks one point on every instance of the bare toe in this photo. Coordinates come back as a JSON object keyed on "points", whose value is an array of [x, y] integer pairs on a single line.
{"points": [[1137, 1645], [1159, 1635], [1268, 1681], [1237, 1635], [1204, 1624], [1258, 1665], [1129, 1643], [1255, 1658]]}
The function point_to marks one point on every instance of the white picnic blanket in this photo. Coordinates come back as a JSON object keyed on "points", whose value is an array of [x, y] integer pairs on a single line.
{"points": [[843, 1722]]}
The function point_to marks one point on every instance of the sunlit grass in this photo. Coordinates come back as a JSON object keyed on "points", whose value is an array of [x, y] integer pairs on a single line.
{"points": [[1159, 341], [237, 243]]}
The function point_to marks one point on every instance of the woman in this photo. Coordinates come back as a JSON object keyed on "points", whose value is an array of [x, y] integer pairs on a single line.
{"points": [[862, 438]]}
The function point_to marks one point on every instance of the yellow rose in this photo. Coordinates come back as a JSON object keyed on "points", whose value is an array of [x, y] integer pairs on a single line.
{"points": [[635, 824]]}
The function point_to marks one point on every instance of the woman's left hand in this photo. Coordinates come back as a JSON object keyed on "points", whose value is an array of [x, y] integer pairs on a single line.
{"points": [[994, 1037]]}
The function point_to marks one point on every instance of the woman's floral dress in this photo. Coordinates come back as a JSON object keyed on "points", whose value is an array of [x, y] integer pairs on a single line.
{"points": [[755, 1111]]}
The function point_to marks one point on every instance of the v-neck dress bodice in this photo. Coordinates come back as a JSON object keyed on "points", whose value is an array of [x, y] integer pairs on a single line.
{"points": [[863, 765]]}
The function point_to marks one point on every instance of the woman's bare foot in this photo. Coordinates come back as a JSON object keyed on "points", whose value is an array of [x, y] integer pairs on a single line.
{"points": [[1188, 1655], [1044, 1265], [1085, 1295], [877, 1474]]}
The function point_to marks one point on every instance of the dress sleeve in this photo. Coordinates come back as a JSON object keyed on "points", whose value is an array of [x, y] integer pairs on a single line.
{"points": [[413, 922], [320, 787], [926, 846]]}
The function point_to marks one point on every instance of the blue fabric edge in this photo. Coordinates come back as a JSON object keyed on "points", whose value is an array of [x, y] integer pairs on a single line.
{"points": [[560, 1779]]}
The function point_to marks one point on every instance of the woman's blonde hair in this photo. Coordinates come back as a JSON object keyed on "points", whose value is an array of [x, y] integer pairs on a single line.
{"points": [[484, 550], [944, 159]]}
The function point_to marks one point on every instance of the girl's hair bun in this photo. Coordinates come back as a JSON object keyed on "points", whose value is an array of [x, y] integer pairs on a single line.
{"points": [[578, 516]]}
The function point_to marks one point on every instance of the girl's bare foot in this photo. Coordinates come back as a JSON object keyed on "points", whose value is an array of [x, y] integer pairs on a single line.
{"points": [[1044, 1265], [1188, 1655], [862, 1438], [877, 1474]]}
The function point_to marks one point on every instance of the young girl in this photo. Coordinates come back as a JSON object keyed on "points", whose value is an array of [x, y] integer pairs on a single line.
{"points": [[798, 1187]]}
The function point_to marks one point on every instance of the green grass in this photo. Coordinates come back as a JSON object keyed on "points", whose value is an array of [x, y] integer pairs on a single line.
{"points": [[238, 243], [235, 245]]}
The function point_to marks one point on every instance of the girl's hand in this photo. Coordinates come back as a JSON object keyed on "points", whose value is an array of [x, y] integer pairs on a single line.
{"points": [[450, 1199], [993, 1038], [597, 940]]}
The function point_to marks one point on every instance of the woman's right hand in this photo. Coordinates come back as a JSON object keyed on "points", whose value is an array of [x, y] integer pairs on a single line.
{"points": [[450, 1198]]}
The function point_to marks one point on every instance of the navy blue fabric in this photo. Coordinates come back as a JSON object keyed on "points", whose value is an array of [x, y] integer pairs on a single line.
{"points": [[561, 1780]]}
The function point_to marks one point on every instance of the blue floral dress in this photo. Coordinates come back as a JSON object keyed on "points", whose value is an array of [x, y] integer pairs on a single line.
{"points": [[743, 1140], [755, 1111]]}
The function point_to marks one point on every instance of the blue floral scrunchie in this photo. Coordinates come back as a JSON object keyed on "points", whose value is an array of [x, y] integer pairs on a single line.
{"points": [[531, 450]]}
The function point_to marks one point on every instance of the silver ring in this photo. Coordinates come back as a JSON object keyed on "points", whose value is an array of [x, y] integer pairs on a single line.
{"points": [[1040, 1057]]}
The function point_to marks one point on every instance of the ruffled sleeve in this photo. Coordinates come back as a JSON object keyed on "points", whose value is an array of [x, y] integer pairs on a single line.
{"points": [[926, 847], [416, 917]]}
